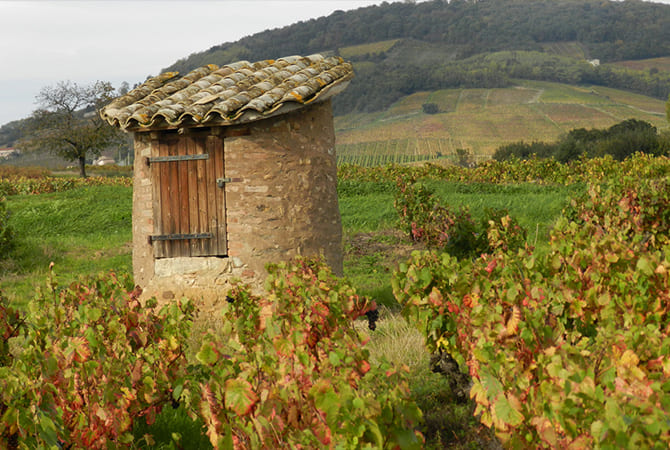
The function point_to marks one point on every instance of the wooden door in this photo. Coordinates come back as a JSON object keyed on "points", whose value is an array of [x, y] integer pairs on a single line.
{"points": [[189, 207]]}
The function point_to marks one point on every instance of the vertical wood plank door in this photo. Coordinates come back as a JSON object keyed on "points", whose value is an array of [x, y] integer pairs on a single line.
{"points": [[189, 207]]}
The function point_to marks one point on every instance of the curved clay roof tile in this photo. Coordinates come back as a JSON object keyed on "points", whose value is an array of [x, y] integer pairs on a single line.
{"points": [[262, 103], [238, 65], [223, 71], [222, 95], [200, 72], [170, 113]]}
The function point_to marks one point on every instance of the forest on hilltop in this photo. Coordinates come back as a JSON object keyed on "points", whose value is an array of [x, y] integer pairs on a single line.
{"points": [[609, 31], [465, 43]]}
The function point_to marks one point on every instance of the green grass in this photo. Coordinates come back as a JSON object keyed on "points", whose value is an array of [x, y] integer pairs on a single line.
{"points": [[367, 214], [535, 206], [82, 231], [172, 430], [363, 49], [366, 206], [369, 262]]}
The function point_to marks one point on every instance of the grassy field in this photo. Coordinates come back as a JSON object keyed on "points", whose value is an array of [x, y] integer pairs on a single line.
{"points": [[82, 231], [365, 49], [87, 231], [646, 64], [481, 120]]}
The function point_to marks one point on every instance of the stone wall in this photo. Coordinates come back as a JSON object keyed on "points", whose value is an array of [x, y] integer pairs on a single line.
{"points": [[281, 203], [287, 203], [143, 223]]}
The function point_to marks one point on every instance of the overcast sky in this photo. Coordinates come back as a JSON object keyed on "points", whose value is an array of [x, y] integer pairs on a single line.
{"points": [[43, 42]]}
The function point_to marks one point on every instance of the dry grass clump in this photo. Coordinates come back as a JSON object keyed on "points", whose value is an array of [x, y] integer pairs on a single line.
{"points": [[397, 341]]}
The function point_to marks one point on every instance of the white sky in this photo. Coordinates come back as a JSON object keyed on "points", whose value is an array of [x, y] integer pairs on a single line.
{"points": [[43, 42]]}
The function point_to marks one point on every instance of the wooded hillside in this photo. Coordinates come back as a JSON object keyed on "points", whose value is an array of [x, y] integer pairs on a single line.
{"points": [[465, 43]]}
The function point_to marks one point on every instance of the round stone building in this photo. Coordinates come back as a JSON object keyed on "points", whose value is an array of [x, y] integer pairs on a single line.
{"points": [[234, 168]]}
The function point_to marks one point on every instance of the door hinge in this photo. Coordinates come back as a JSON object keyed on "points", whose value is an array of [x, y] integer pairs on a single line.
{"points": [[179, 237], [172, 158]]}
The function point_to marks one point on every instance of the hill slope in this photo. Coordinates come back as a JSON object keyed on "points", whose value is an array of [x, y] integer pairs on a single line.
{"points": [[401, 48], [480, 120]]}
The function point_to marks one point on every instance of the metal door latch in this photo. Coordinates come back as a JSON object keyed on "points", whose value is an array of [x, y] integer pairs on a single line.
{"points": [[220, 182]]}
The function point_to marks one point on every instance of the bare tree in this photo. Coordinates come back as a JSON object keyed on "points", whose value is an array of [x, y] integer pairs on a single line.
{"points": [[67, 122]]}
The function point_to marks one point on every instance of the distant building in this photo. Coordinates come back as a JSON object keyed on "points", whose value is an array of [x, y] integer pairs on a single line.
{"points": [[9, 152], [104, 161]]}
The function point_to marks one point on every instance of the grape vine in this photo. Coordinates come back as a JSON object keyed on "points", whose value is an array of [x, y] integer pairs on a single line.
{"points": [[289, 370], [567, 348]]}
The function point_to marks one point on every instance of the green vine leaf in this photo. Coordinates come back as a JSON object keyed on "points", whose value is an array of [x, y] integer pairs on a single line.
{"points": [[240, 396]]}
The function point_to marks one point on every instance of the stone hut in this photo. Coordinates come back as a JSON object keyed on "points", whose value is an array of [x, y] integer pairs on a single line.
{"points": [[234, 168]]}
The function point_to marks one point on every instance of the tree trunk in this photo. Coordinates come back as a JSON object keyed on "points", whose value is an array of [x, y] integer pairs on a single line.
{"points": [[82, 166]]}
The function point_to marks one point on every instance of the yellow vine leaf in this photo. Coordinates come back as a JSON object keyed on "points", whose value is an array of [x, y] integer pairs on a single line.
{"points": [[629, 359], [546, 430], [513, 323]]}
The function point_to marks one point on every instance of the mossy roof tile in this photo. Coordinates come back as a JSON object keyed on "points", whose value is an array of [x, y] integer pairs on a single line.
{"points": [[235, 93]]}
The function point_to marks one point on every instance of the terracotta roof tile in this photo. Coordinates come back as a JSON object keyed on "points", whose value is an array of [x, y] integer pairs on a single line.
{"points": [[235, 93]]}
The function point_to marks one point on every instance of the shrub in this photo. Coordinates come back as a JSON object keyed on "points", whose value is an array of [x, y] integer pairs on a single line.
{"points": [[463, 157], [430, 108], [414, 203], [625, 145], [16, 185], [566, 349], [633, 208], [10, 385], [93, 360], [523, 150], [289, 370], [664, 143], [27, 172], [545, 171], [439, 227], [620, 141]]}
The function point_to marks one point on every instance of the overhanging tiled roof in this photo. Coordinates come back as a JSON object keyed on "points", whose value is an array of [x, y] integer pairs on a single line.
{"points": [[228, 95]]}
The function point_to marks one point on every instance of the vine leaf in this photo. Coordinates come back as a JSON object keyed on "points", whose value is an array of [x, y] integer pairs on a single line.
{"points": [[207, 355], [507, 413], [240, 396]]}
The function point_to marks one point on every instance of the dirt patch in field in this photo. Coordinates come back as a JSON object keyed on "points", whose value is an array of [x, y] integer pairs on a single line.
{"points": [[370, 260], [394, 245], [126, 248]]}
